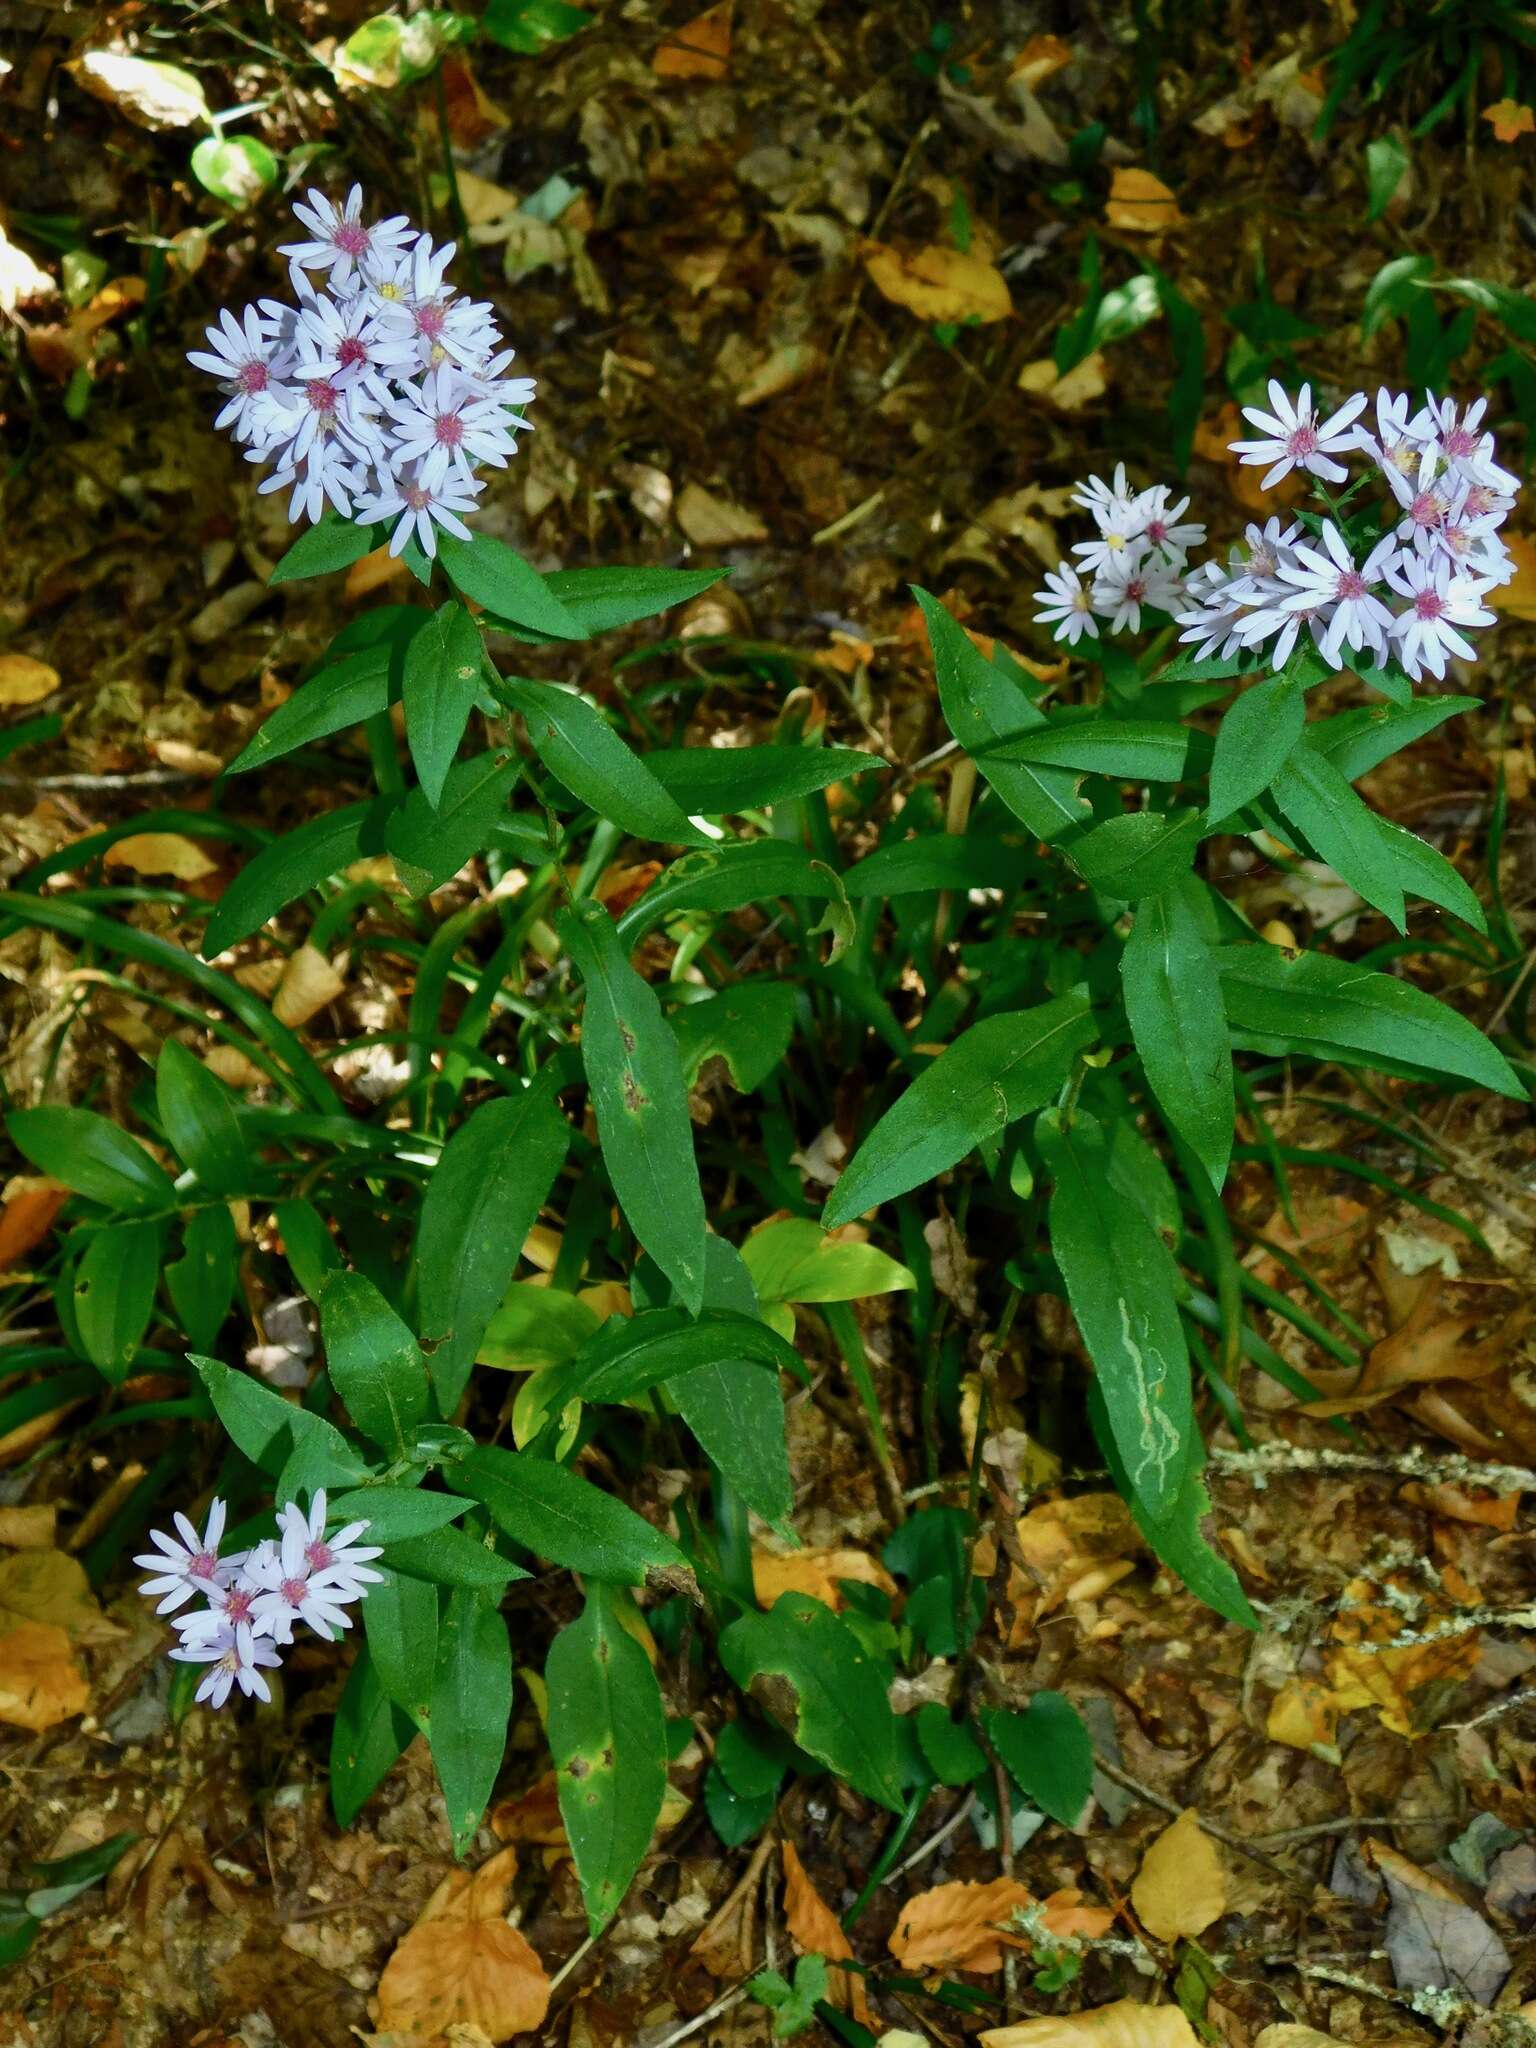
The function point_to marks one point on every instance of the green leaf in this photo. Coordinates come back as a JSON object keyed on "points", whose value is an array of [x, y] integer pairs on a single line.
{"points": [[795, 1260], [1358, 741], [488, 571], [1279, 1002], [581, 749], [535, 1327], [375, 1363], [1514, 310], [267, 1428], [1048, 1752], [748, 1027], [1139, 854], [331, 543], [236, 169], [368, 1736], [735, 1816], [1186, 336], [999, 1070], [725, 878], [600, 600], [400, 1622], [340, 696], [201, 1283], [1255, 741], [949, 1748], [981, 705], [938, 860], [114, 1293], [719, 782], [444, 674], [635, 1075], [557, 1514], [471, 1706], [449, 1557], [529, 26], [1173, 1001], [809, 1670], [61, 1879], [795, 2006], [483, 1199], [307, 1245], [429, 846], [733, 1407], [397, 1513], [1122, 1285], [1341, 829], [1126, 749], [1386, 165], [607, 1733], [297, 861], [90, 1154], [1424, 871], [631, 1354], [198, 1114]]}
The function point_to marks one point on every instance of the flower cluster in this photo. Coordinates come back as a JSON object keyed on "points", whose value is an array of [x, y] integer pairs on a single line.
{"points": [[381, 391], [254, 1597], [1405, 578]]}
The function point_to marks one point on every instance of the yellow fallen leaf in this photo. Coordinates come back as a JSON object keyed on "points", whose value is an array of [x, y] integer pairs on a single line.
{"points": [[25, 681], [1140, 203], [700, 49], [714, 522], [1517, 599], [46, 1585], [156, 96], [1181, 1886], [1388, 1679], [30, 1528], [30, 1203], [815, 1572], [1509, 120], [1041, 58], [461, 1965], [161, 853], [814, 1929], [309, 982], [1071, 391], [1291, 2034], [1304, 1712], [948, 286], [1125, 2024], [40, 1683]]}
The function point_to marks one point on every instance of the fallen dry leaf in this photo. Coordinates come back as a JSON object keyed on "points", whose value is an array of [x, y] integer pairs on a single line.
{"points": [[1125, 2024], [309, 983], [1435, 1941], [25, 681], [48, 1586], [815, 1572], [1071, 1550], [472, 113], [1290, 2034], [1302, 1713], [161, 853], [1181, 1886], [700, 49], [1517, 599], [1422, 1350], [31, 1201], [1140, 203], [948, 286], [714, 522], [960, 1926], [156, 96], [461, 1965], [814, 1929], [1041, 58], [780, 372], [371, 572], [1069, 391], [40, 1683], [32, 1528], [22, 282], [1509, 120], [532, 1815], [1328, 1229], [1388, 1679]]}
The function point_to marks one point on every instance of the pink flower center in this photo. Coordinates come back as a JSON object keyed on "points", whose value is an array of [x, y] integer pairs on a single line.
{"points": [[318, 1555], [294, 1591], [1157, 530], [252, 378], [1135, 591], [351, 238], [203, 1565], [322, 394], [1480, 501], [1261, 562], [237, 1605], [1457, 539], [1301, 441], [448, 430], [1351, 586], [430, 320], [1428, 604], [1458, 444], [351, 351], [1426, 509], [414, 496]]}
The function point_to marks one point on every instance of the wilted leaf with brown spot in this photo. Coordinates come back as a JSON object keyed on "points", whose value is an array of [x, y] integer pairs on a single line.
{"points": [[461, 1965], [1140, 203], [40, 1683], [700, 49], [815, 1572], [1125, 2024], [161, 853], [944, 285], [24, 680], [814, 1929], [1181, 1886], [31, 1201]]}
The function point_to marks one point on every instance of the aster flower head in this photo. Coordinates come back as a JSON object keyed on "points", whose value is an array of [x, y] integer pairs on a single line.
{"points": [[1133, 580], [1400, 438], [1066, 607], [1163, 526], [1442, 604], [340, 240], [1329, 582], [235, 1655], [187, 1565], [1293, 437]]}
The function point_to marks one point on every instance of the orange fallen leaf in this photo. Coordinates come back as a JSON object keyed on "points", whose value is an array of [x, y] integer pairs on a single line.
{"points": [[1388, 1678], [371, 572], [815, 1572], [1140, 203], [31, 1201], [461, 1965], [1071, 1550], [1067, 391], [960, 1926], [24, 680], [1181, 1886], [1518, 596], [472, 113], [40, 1683], [939, 284], [1509, 120], [532, 1815], [1455, 1503], [1041, 58], [1328, 1228], [814, 1929], [1422, 1350], [701, 49], [1302, 1713], [1125, 2024]]}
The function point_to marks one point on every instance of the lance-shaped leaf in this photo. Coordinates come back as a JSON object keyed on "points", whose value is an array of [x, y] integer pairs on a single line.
{"points": [[331, 543], [268, 1429], [726, 877], [1341, 829], [375, 1363], [581, 749], [443, 677], [289, 866], [198, 1113], [608, 1736], [470, 1707], [733, 1407], [635, 1073], [90, 1154], [715, 782], [1358, 741], [1138, 854], [557, 1514], [599, 600], [1254, 743], [368, 1735], [487, 570], [1173, 1001], [342, 695], [400, 1623], [631, 1354], [1130, 750], [114, 1292]]}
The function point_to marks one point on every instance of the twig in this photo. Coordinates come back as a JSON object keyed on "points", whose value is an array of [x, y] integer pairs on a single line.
{"points": [[938, 1838], [711, 2012], [1113, 1772], [570, 1963], [1414, 1463]]}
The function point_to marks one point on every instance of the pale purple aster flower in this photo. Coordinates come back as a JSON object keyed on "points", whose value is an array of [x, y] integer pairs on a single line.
{"points": [[1161, 527], [1466, 446], [341, 238], [1286, 625], [1470, 539], [340, 341], [234, 1656], [1329, 581], [418, 508], [1423, 494], [1102, 500], [1215, 610], [1439, 604], [314, 1578], [228, 1607], [445, 426], [247, 357], [1127, 583], [1065, 606], [1400, 438], [327, 473], [1255, 577], [1294, 438], [189, 1567]]}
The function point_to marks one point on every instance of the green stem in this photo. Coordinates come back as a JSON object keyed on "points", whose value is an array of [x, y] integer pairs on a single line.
{"points": [[890, 1849]]}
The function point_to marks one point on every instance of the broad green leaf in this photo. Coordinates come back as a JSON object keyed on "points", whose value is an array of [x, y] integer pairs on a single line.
{"points": [[90, 1154], [1340, 828], [795, 1260], [748, 1027], [1422, 870], [1279, 1002], [581, 749], [429, 846], [727, 877], [1136, 1169], [1254, 743], [999, 1070], [331, 543], [529, 26], [368, 1736], [635, 1075], [1048, 1752], [267, 1428], [375, 1363], [470, 1708], [236, 169], [1126, 749], [733, 1407], [449, 1557], [952, 1752], [1138, 854], [484, 1197], [753, 1757], [488, 571], [1173, 1001], [1122, 1285], [297, 861], [114, 1293], [719, 782], [340, 696], [443, 677], [736, 1817], [808, 1669], [631, 1354], [307, 1245], [939, 860], [400, 1623], [557, 1514], [198, 1114], [607, 1734], [1358, 741], [1386, 165], [534, 1328], [600, 600], [396, 1513], [982, 706], [201, 1283]]}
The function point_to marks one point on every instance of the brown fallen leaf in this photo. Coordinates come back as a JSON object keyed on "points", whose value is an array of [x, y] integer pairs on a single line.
{"points": [[1181, 1886], [472, 114], [161, 853], [780, 372], [461, 1965], [1073, 1550], [1041, 58], [532, 1815], [1140, 203], [1125, 2024], [1423, 1349], [1509, 120], [1068, 391], [30, 1528], [48, 1586], [1434, 1939], [960, 1926], [1517, 599], [24, 680], [20, 1442], [944, 285], [815, 1572], [309, 983], [31, 1201], [40, 1682], [814, 1929], [1388, 1679], [714, 522], [700, 49]]}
